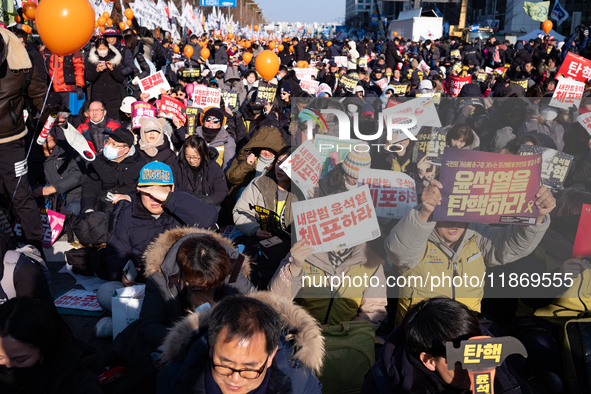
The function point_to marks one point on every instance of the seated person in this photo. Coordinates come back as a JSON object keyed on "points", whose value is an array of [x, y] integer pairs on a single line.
{"points": [[116, 170], [414, 356], [419, 246], [97, 126], [213, 131], [241, 347], [156, 208], [153, 144]]}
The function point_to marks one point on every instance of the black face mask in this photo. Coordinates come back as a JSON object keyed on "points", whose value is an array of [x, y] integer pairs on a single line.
{"points": [[19, 377]]}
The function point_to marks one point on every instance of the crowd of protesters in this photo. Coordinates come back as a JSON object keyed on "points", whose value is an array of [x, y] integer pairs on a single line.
{"points": [[227, 311]]}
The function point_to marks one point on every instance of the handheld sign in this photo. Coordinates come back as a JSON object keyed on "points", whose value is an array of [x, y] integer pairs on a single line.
{"points": [[153, 83], [555, 164]]}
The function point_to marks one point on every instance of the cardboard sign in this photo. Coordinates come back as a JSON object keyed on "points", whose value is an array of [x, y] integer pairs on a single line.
{"points": [[338, 221], [582, 246], [191, 72], [555, 164], [204, 97], [265, 93], [153, 83], [585, 121], [141, 109], [309, 85], [423, 66], [170, 107], [382, 83], [521, 82], [575, 67], [341, 61], [218, 67], [482, 77], [53, 223], [457, 83], [79, 299], [393, 193], [488, 187], [431, 142], [191, 113], [323, 88], [399, 88], [326, 145], [230, 98], [423, 108], [306, 73], [349, 81], [568, 93], [268, 219], [304, 167]]}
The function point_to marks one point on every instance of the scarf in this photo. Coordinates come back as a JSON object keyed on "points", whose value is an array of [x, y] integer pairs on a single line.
{"points": [[336, 258], [209, 134], [151, 149]]}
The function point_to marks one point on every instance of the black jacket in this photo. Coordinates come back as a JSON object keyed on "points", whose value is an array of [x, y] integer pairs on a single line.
{"points": [[209, 184], [107, 86], [300, 52], [393, 56], [37, 60]]}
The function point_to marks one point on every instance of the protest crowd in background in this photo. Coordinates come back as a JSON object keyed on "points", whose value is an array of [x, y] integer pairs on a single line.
{"points": [[244, 246]]}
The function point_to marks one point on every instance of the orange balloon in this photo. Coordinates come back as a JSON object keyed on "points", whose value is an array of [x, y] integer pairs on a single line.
{"points": [[106, 15], [129, 13], [329, 43], [65, 26], [17, 19], [247, 44], [547, 26], [272, 45], [122, 25], [102, 29], [188, 51], [280, 48], [129, 22], [256, 27], [230, 36], [205, 53], [247, 57], [25, 17], [102, 20], [27, 29], [96, 24], [29, 9], [267, 64], [395, 33], [291, 49], [234, 49], [109, 22], [177, 49], [306, 65]]}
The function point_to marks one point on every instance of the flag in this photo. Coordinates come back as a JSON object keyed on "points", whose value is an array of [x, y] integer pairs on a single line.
{"points": [[558, 13], [537, 11]]}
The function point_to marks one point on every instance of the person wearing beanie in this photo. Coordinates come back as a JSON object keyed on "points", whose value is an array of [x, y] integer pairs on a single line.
{"points": [[214, 132], [285, 99], [414, 74], [344, 176], [153, 144]]}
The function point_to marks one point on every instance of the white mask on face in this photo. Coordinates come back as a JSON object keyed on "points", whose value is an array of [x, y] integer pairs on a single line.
{"points": [[102, 52]]}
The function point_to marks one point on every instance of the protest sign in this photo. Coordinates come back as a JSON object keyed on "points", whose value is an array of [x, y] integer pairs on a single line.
{"points": [[457, 83], [204, 97], [431, 142], [341, 61], [230, 98], [189, 72], [170, 107], [218, 67], [399, 88], [305, 73], [521, 82], [268, 219], [555, 164], [582, 247], [323, 88], [327, 144], [154, 83], [488, 187], [304, 167], [382, 83], [192, 113], [349, 81], [488, 70], [457, 68], [423, 66], [568, 93], [141, 109], [53, 223], [309, 85], [265, 93], [575, 67], [435, 94], [482, 76], [585, 121], [79, 299], [337, 221], [423, 108], [393, 193]]}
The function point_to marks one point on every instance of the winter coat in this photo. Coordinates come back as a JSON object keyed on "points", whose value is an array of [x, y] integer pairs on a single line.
{"points": [[69, 72], [221, 55], [105, 175], [137, 228], [37, 61], [107, 85], [261, 192], [96, 134], [209, 185], [416, 249], [225, 145], [12, 102], [232, 82], [353, 56], [294, 365], [399, 370], [300, 52], [137, 54], [332, 183], [352, 303]]}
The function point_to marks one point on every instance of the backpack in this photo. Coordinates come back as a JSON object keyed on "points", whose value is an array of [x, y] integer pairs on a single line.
{"points": [[576, 354], [13, 260], [349, 355]]}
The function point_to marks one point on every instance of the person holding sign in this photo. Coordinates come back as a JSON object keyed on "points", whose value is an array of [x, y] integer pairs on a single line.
{"points": [[419, 246]]}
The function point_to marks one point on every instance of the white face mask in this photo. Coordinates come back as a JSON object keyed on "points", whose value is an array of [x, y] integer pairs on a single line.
{"points": [[102, 52]]}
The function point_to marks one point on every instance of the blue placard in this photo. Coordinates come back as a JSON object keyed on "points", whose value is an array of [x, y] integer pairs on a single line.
{"points": [[475, 28], [218, 3]]}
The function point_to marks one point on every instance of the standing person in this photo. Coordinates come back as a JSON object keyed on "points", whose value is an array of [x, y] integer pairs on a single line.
{"points": [[299, 50], [103, 70], [68, 76], [141, 71], [114, 38], [221, 53], [34, 55]]}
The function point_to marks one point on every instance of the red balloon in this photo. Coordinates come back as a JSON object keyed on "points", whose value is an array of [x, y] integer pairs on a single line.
{"points": [[267, 64]]}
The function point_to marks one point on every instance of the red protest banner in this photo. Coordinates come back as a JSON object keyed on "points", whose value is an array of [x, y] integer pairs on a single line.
{"points": [[575, 67], [457, 83], [53, 223], [154, 83], [582, 246], [488, 187], [169, 107], [141, 109]]}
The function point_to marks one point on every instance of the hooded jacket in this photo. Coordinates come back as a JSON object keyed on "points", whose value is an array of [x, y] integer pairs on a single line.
{"points": [[416, 249], [225, 145], [232, 81], [353, 56], [221, 55], [107, 85], [69, 72], [299, 355]]}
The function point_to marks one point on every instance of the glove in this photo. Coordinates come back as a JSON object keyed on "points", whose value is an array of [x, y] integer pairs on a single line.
{"points": [[37, 192], [79, 93], [586, 32]]}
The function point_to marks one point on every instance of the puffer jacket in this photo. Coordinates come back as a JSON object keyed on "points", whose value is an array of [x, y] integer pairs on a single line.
{"points": [[14, 63], [209, 185], [69, 72], [294, 365], [225, 145], [107, 86], [353, 56], [221, 55], [96, 133]]}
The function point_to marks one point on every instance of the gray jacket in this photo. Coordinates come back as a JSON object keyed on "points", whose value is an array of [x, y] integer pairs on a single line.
{"points": [[224, 143]]}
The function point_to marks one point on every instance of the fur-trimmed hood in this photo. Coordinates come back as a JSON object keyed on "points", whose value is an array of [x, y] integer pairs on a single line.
{"points": [[14, 53], [93, 57], [305, 332], [157, 251]]}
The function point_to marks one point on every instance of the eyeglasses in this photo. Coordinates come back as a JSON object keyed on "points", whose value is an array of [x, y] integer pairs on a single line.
{"points": [[244, 373], [212, 119], [114, 145], [193, 158], [95, 110], [284, 93]]}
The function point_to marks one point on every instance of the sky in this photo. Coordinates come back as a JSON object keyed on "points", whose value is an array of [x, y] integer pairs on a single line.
{"points": [[305, 11]]}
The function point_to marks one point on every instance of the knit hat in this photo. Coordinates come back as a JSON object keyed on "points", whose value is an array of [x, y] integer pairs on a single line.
{"points": [[286, 88], [501, 139], [213, 112], [355, 161], [155, 174], [111, 32], [414, 63], [367, 110]]}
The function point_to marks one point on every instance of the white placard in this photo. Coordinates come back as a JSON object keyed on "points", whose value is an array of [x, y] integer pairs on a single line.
{"points": [[153, 83], [304, 167], [568, 93], [393, 193]]}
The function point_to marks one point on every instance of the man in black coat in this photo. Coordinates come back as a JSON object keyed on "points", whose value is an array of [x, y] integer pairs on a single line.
{"points": [[393, 56], [34, 54], [299, 50]]}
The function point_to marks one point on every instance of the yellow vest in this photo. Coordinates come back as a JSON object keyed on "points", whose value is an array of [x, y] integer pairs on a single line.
{"points": [[342, 305], [397, 167], [435, 263], [220, 159]]}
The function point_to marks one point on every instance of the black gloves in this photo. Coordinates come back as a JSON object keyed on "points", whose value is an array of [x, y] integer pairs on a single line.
{"points": [[80, 92]]}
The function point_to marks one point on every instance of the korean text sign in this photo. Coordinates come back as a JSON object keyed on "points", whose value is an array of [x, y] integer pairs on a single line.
{"points": [[568, 93], [204, 96], [53, 223], [169, 107], [488, 187], [575, 67], [337, 221], [393, 193], [332, 150], [457, 83], [139, 110], [555, 164], [153, 83], [304, 167]]}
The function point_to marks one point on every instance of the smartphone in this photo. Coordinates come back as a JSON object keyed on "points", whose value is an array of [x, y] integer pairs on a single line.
{"points": [[267, 243], [102, 63], [129, 271]]}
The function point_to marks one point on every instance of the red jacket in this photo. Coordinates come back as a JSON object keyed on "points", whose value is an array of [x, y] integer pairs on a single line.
{"points": [[57, 63], [95, 133]]}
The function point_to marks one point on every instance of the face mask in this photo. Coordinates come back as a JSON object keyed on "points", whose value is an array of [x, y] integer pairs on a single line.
{"points": [[93, 122], [264, 162], [278, 77], [103, 52], [110, 153], [18, 377]]}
